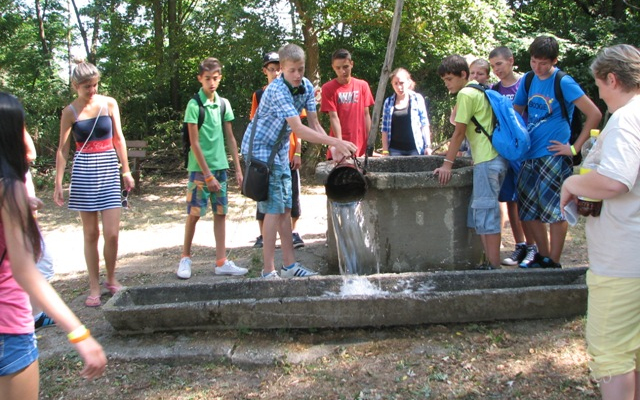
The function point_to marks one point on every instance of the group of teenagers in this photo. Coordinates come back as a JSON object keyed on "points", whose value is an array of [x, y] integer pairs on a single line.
{"points": [[541, 185], [538, 188]]}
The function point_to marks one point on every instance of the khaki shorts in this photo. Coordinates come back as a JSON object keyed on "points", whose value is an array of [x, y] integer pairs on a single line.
{"points": [[613, 325]]}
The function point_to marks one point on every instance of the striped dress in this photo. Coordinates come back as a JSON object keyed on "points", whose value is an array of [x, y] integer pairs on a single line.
{"points": [[95, 176]]}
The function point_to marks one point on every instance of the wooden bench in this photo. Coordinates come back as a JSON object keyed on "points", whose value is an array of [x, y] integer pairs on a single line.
{"points": [[136, 151]]}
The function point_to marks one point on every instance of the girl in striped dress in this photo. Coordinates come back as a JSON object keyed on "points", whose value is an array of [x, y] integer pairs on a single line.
{"points": [[94, 121]]}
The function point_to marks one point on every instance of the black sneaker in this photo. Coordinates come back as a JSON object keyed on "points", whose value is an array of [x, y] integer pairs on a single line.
{"points": [[544, 262], [297, 241], [517, 256], [258, 243], [44, 321], [532, 254]]}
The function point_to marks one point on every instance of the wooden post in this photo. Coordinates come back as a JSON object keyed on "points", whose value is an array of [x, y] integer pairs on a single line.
{"points": [[384, 76]]}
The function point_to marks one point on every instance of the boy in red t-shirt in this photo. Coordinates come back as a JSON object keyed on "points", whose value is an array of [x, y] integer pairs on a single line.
{"points": [[347, 100]]}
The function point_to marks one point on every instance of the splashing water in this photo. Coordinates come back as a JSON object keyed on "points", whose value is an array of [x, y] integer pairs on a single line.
{"points": [[354, 240], [357, 286]]}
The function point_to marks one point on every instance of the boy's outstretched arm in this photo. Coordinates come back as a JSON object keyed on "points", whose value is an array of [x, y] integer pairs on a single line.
{"points": [[444, 172], [315, 133]]}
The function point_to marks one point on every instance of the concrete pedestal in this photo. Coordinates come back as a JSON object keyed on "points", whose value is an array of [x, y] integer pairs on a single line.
{"points": [[420, 224]]}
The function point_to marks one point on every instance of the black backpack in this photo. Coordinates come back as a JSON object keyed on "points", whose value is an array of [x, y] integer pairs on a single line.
{"points": [[186, 142], [575, 122]]}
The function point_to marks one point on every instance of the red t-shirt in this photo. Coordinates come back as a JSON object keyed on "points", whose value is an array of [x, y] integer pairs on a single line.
{"points": [[349, 101]]}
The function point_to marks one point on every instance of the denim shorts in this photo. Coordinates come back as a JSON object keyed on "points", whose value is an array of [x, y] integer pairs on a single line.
{"points": [[198, 194], [279, 191], [296, 210], [484, 209], [17, 352]]}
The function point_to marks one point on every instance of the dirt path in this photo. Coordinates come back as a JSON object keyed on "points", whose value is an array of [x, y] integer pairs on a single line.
{"points": [[543, 359], [153, 229]]}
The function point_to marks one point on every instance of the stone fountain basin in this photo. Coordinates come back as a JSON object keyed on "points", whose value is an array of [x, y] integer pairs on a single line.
{"points": [[404, 299]]}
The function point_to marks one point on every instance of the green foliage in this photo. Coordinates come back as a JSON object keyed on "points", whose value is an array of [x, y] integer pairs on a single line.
{"points": [[153, 79]]}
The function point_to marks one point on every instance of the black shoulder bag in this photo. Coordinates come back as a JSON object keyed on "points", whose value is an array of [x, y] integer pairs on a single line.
{"points": [[255, 184]]}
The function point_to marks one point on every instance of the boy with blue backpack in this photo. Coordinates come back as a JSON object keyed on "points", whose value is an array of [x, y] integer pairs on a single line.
{"points": [[207, 165], [489, 166], [548, 162]]}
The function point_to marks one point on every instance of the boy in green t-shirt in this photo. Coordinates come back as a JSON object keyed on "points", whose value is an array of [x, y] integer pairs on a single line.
{"points": [[208, 166], [489, 167]]}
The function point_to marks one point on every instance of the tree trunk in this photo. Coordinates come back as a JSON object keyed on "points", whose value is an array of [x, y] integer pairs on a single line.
{"points": [[384, 76], [158, 35], [312, 50], [41, 34], [174, 54], [310, 36], [83, 32]]}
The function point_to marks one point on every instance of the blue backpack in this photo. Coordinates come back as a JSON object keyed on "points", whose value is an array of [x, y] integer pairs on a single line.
{"points": [[510, 136]]}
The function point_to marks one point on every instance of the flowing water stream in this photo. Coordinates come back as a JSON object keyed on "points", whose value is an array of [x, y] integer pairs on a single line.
{"points": [[356, 250]]}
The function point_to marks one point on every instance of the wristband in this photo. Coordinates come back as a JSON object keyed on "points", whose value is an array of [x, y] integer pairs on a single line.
{"points": [[297, 154], [447, 160], [126, 173], [385, 151], [79, 339], [79, 334], [208, 178], [573, 151]]}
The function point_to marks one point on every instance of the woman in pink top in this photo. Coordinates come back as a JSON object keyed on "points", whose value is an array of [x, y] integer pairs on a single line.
{"points": [[19, 247]]}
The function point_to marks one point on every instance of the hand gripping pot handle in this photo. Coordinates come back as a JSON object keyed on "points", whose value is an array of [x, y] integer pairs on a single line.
{"points": [[346, 182]]}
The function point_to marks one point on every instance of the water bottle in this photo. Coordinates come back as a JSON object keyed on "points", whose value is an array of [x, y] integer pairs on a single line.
{"points": [[590, 158]]}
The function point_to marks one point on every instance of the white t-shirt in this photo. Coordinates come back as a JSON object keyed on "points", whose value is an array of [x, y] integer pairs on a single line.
{"points": [[614, 236]]}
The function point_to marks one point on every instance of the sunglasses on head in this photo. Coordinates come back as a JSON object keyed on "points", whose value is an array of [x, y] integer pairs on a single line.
{"points": [[125, 199]]}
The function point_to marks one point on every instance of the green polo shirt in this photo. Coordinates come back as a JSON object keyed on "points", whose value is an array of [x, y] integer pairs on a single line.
{"points": [[210, 134]]}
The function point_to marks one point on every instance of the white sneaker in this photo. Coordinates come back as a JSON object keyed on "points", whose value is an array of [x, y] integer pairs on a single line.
{"points": [[270, 275], [296, 271], [229, 268], [184, 268]]}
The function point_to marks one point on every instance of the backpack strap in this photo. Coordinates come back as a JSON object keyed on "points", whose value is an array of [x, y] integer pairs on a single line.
{"points": [[557, 89], [480, 128], [201, 113], [259, 94]]}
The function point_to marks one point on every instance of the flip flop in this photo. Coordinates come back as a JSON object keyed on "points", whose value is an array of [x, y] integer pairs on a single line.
{"points": [[92, 301], [112, 288]]}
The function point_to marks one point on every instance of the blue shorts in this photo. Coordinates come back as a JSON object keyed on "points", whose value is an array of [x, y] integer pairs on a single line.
{"points": [[508, 191], [539, 185], [296, 210], [198, 195], [484, 209], [17, 352], [279, 191]]}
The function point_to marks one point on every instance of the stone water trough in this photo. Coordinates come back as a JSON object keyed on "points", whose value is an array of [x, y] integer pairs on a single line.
{"points": [[317, 302]]}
